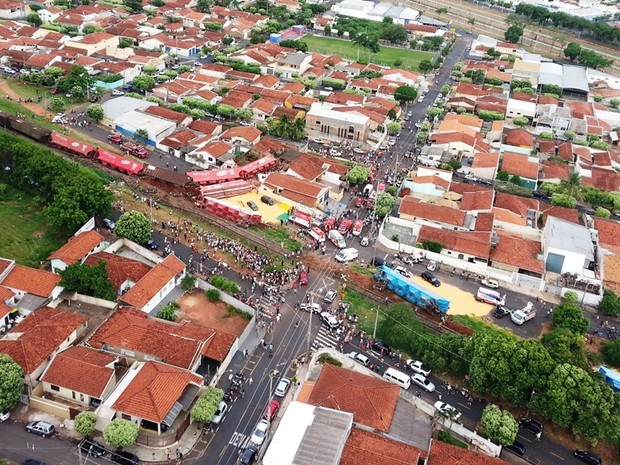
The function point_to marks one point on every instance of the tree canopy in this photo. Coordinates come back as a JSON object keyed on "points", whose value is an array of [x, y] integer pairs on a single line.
{"points": [[405, 94], [88, 280], [513, 33], [11, 380], [135, 226], [84, 423], [357, 175], [120, 433], [570, 316], [384, 204], [499, 425], [206, 406]]}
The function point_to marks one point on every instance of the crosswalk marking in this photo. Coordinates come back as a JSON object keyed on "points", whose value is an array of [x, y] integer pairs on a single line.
{"points": [[325, 338]]}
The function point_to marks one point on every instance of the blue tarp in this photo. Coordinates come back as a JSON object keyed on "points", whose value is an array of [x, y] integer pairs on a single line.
{"points": [[411, 291], [611, 377]]}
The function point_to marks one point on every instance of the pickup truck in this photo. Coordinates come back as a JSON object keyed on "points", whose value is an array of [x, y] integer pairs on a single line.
{"points": [[527, 313]]}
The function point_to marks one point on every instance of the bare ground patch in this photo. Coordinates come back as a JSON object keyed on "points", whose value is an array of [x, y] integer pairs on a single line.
{"points": [[196, 308]]}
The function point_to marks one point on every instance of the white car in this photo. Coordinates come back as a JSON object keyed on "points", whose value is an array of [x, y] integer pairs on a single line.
{"points": [[358, 150], [260, 433], [423, 382], [4, 416], [117, 93], [346, 255], [447, 410], [490, 283], [364, 242], [315, 308], [361, 358], [316, 140], [403, 271], [336, 153], [222, 409], [417, 367], [330, 320], [282, 387], [330, 295]]}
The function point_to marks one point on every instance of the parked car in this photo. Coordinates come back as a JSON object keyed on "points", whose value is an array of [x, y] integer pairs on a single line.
{"points": [[117, 93], [282, 387], [115, 138], [266, 199], [490, 283], [330, 320], [422, 381], [531, 425], [93, 448], [381, 348], [501, 311], [447, 410], [271, 410], [418, 367], [109, 224], [310, 307], [42, 428], [260, 432], [152, 244], [330, 295], [252, 205], [248, 456], [377, 261], [403, 271], [430, 278], [124, 458], [316, 140], [588, 457], [303, 278], [364, 241], [516, 448], [4, 416], [361, 358], [222, 409]]}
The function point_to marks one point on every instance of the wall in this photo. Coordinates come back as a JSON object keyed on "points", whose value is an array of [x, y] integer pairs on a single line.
{"points": [[588, 299], [67, 394], [94, 301], [523, 231], [573, 262], [119, 244], [48, 406]]}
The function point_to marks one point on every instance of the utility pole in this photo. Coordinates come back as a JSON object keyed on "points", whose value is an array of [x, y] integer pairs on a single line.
{"points": [[309, 341], [374, 331]]}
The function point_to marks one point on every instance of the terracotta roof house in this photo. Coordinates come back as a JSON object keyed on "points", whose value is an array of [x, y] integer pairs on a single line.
{"points": [[293, 189], [517, 254], [80, 374], [607, 180], [608, 231], [519, 137], [155, 395], [33, 341], [485, 165], [372, 401], [567, 214], [76, 250], [146, 294], [516, 210], [367, 447], [179, 142], [436, 215], [457, 142], [517, 164], [471, 244], [213, 154], [553, 171], [246, 135], [442, 453], [183, 345], [24, 280], [478, 201], [123, 272]]}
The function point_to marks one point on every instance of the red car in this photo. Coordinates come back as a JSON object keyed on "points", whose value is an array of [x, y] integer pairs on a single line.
{"points": [[115, 138], [271, 410], [359, 202], [303, 278]]}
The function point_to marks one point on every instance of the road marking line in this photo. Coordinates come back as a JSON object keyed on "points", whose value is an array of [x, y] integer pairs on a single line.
{"points": [[556, 455]]}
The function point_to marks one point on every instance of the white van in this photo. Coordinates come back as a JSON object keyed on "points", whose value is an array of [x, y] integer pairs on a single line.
{"points": [[337, 239], [397, 377], [346, 255]]}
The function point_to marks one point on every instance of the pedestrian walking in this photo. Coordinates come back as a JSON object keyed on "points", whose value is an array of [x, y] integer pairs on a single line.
{"points": [[538, 436], [178, 453], [250, 380]]}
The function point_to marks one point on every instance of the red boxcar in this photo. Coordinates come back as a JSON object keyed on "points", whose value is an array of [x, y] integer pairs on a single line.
{"points": [[71, 145], [119, 163]]}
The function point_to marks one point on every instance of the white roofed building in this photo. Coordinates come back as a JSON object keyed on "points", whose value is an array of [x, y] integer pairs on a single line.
{"points": [[323, 122]]}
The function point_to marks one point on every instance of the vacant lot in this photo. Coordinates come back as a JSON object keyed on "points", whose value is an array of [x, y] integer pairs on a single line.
{"points": [[196, 308], [24, 235], [347, 49]]}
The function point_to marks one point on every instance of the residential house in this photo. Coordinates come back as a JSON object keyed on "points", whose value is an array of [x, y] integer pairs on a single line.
{"points": [[123, 272], [81, 375], [553, 171], [32, 287], [214, 154], [568, 247], [322, 121], [179, 142], [517, 254], [321, 170], [484, 165], [12, 9], [154, 395], [459, 143], [96, 42], [244, 135], [523, 166], [520, 108], [33, 341], [291, 65], [442, 453], [77, 249], [298, 191]]}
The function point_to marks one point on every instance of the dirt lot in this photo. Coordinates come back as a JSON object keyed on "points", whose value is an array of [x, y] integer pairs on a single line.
{"points": [[196, 308]]}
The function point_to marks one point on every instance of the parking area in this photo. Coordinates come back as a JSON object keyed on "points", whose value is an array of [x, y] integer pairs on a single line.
{"points": [[269, 213]]}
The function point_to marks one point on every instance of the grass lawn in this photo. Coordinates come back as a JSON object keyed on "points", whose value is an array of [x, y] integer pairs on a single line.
{"points": [[279, 234], [363, 307], [386, 56], [24, 235]]}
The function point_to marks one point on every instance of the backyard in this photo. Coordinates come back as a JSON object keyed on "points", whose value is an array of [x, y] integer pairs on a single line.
{"points": [[386, 56], [24, 235]]}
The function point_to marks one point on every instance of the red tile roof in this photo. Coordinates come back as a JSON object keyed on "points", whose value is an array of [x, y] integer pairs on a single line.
{"points": [[442, 453], [515, 204], [153, 282], [480, 200], [608, 231], [519, 164], [308, 166], [579, 109], [119, 268], [432, 179], [218, 346], [249, 134], [366, 447], [78, 247], [519, 137], [298, 190], [474, 243], [31, 281], [514, 250], [4, 264], [485, 160], [39, 335], [554, 170], [175, 344], [462, 187], [568, 214], [81, 369], [166, 113], [152, 393], [371, 400], [484, 221], [607, 180], [413, 207]]}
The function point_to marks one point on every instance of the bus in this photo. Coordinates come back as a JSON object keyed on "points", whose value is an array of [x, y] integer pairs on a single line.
{"points": [[490, 296]]}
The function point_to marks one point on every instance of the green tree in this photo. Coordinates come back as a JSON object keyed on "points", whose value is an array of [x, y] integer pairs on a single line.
{"points": [[398, 325], [142, 134], [393, 127], [426, 66], [602, 212], [77, 77], [572, 186], [394, 33], [11, 382], [88, 280], [384, 204], [120, 433], [168, 312], [227, 40], [611, 352], [521, 121], [134, 226], [84, 423], [327, 30], [213, 295], [572, 51], [614, 102], [244, 113], [592, 59], [135, 6], [54, 72], [34, 19], [432, 246], [564, 346], [204, 6], [144, 83], [609, 304], [499, 425], [95, 112], [563, 200], [441, 11], [358, 175], [445, 89], [502, 176], [570, 316], [516, 180], [513, 34], [188, 282], [57, 104], [405, 94], [206, 406], [298, 45]]}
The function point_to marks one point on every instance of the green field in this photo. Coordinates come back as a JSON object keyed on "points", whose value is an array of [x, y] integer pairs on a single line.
{"points": [[386, 56], [24, 235]]}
